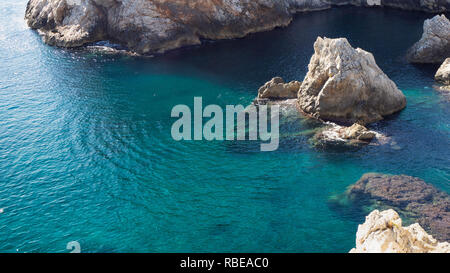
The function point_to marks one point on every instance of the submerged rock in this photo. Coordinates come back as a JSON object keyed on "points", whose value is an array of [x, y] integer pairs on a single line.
{"points": [[277, 89], [443, 75], [344, 84], [434, 46], [383, 232], [408, 195]]}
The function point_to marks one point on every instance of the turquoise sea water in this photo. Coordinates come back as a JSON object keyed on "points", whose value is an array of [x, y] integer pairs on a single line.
{"points": [[86, 153]]}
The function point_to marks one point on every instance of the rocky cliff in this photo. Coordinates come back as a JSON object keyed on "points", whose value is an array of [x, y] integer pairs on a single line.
{"points": [[155, 26]]}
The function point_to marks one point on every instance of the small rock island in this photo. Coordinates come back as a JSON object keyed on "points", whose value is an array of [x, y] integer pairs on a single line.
{"points": [[345, 84]]}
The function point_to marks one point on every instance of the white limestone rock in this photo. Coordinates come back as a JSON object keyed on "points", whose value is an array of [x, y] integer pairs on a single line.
{"points": [[277, 89], [67, 23], [383, 233], [443, 75], [344, 84], [334, 134], [434, 46]]}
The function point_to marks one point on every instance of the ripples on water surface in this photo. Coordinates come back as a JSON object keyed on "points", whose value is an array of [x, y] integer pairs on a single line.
{"points": [[86, 152]]}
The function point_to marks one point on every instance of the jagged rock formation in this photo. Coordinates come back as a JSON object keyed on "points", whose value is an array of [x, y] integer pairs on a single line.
{"points": [[155, 26], [443, 74], [67, 23], [334, 134], [277, 89], [150, 26], [344, 84], [358, 132], [434, 46], [383, 233], [410, 196]]}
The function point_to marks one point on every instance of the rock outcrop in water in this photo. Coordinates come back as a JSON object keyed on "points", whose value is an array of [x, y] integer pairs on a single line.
{"points": [[383, 233], [443, 75], [155, 26], [410, 196], [434, 46], [344, 84], [334, 134], [277, 89]]}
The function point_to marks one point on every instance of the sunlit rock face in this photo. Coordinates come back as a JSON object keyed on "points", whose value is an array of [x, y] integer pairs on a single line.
{"points": [[443, 75], [149, 26], [67, 23], [345, 84], [155, 26], [277, 89], [383, 232], [434, 46], [334, 134]]}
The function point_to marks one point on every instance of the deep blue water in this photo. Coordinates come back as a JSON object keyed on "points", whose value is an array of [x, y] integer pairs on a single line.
{"points": [[86, 152]]}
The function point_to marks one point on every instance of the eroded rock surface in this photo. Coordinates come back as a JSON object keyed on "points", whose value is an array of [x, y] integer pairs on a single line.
{"points": [[408, 195], [434, 46], [155, 26], [334, 134], [443, 75], [67, 23], [383, 232], [344, 84], [277, 89]]}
